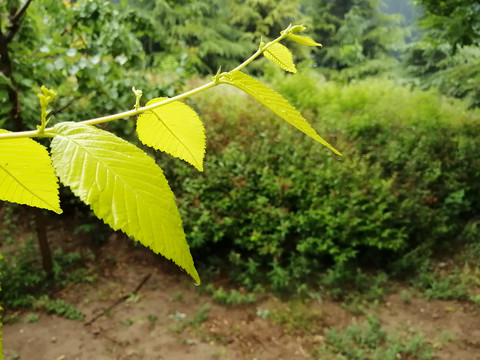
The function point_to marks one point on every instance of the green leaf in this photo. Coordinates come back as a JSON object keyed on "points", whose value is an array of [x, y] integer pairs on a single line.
{"points": [[123, 186], [174, 128], [27, 176], [280, 55], [275, 102], [4, 80], [304, 40]]}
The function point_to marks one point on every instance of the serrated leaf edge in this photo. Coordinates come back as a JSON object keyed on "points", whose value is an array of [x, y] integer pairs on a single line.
{"points": [[198, 166], [50, 207], [277, 61], [227, 79]]}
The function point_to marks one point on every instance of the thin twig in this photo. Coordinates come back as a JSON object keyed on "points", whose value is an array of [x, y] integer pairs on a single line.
{"points": [[16, 21], [64, 106], [118, 301]]}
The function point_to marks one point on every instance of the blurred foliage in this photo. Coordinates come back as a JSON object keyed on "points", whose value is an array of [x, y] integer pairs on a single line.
{"points": [[202, 36], [26, 285], [456, 75], [456, 22], [88, 52], [447, 55], [357, 35], [198, 31]]}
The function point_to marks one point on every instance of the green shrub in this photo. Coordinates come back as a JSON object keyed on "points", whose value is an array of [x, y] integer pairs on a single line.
{"points": [[26, 285], [279, 209]]}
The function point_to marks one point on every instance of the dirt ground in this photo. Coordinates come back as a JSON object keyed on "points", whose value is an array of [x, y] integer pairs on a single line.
{"points": [[170, 319]]}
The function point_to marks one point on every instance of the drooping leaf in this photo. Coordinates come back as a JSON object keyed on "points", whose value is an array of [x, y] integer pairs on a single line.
{"points": [[281, 56], [174, 128], [304, 40], [123, 186], [27, 176], [275, 102]]}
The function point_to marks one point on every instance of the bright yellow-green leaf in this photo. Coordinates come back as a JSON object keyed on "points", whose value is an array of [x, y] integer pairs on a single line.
{"points": [[280, 55], [174, 128], [274, 102], [304, 40], [123, 186], [27, 176]]}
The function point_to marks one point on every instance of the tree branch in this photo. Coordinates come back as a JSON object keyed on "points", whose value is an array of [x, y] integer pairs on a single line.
{"points": [[64, 106], [16, 21]]}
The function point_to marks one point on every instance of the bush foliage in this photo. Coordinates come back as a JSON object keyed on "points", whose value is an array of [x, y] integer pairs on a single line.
{"points": [[282, 209]]}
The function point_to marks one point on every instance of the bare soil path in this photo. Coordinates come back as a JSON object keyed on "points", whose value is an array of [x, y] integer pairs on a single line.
{"points": [[169, 319]]}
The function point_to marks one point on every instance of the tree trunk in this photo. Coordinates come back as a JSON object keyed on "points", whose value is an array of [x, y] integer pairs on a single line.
{"points": [[45, 251]]}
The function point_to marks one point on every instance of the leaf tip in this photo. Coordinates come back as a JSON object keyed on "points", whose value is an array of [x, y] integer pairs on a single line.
{"points": [[326, 144], [303, 40], [192, 272]]}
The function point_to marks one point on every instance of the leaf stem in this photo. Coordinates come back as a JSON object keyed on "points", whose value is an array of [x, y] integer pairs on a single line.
{"points": [[49, 132], [140, 110], [260, 51]]}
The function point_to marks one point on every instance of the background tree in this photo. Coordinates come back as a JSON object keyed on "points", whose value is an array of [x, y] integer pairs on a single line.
{"points": [[456, 22], [447, 55], [357, 35], [202, 36]]}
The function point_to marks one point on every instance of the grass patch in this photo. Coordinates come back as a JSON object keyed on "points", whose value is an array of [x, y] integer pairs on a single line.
{"points": [[296, 318], [24, 282], [371, 341]]}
